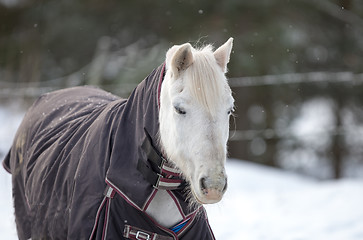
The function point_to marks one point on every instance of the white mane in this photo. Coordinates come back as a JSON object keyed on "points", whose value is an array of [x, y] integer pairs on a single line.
{"points": [[204, 79]]}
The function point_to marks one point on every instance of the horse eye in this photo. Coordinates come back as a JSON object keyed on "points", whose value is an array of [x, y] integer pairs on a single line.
{"points": [[179, 110]]}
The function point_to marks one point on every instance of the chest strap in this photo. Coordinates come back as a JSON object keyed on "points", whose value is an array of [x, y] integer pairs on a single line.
{"points": [[157, 170], [135, 233]]}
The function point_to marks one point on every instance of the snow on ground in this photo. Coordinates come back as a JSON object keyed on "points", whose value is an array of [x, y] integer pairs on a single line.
{"points": [[261, 203], [10, 118]]}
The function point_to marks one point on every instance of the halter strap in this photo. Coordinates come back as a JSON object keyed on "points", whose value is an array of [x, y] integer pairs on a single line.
{"points": [[159, 173]]}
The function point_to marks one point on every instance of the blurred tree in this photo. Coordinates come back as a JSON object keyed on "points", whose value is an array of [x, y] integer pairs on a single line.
{"points": [[44, 40], [271, 37]]}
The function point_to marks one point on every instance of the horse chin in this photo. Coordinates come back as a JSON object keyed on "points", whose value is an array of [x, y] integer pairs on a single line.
{"points": [[204, 200], [208, 201]]}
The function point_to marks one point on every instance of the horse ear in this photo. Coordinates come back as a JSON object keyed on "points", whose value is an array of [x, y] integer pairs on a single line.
{"points": [[179, 58], [222, 54]]}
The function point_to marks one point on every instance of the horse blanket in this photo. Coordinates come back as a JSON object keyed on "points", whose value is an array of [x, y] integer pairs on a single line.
{"points": [[74, 168]]}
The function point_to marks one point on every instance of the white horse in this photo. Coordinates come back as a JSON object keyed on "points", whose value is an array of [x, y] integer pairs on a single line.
{"points": [[83, 160], [195, 105]]}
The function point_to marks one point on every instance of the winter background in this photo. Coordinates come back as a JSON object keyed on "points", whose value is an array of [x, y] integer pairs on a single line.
{"points": [[296, 72], [261, 202]]}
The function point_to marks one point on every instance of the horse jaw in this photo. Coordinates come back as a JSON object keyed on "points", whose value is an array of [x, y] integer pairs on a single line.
{"points": [[192, 137]]}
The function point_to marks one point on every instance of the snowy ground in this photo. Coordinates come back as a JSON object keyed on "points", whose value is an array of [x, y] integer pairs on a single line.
{"points": [[260, 204], [264, 203]]}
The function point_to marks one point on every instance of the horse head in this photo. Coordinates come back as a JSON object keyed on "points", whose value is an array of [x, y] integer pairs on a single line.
{"points": [[195, 104]]}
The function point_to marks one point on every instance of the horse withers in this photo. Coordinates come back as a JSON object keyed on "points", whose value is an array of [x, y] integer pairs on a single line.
{"points": [[86, 164]]}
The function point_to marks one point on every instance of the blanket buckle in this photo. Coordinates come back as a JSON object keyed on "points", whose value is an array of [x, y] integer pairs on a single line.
{"points": [[156, 185], [140, 235]]}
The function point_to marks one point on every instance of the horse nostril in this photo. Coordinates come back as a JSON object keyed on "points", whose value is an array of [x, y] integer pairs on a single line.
{"points": [[206, 185], [225, 186], [203, 186]]}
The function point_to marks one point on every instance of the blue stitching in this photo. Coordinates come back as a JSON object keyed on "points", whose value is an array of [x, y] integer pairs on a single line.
{"points": [[179, 226]]}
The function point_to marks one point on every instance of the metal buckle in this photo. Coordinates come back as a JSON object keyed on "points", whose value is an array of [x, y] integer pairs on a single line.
{"points": [[156, 186], [142, 235], [163, 161]]}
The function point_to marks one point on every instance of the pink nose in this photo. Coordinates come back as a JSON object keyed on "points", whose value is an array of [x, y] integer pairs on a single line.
{"points": [[212, 194], [213, 189]]}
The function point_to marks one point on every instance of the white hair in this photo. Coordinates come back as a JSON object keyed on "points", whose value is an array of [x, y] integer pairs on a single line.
{"points": [[205, 80]]}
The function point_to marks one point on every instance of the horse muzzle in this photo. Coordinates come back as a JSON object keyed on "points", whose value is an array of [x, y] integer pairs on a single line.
{"points": [[211, 189]]}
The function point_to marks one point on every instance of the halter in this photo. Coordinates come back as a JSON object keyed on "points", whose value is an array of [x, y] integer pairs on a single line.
{"points": [[159, 172]]}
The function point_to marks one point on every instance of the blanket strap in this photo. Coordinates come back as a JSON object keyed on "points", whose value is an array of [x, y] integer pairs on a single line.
{"points": [[157, 170], [135, 233]]}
